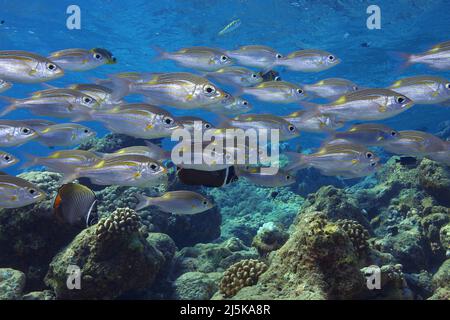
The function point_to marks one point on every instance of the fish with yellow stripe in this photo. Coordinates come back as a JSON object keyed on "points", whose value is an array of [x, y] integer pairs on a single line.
{"points": [[138, 120], [123, 170], [276, 92], [64, 160], [314, 121], [438, 57], [423, 89], [310, 60], [16, 192], [331, 88], [346, 160], [64, 134], [82, 59], [27, 67], [368, 134]]}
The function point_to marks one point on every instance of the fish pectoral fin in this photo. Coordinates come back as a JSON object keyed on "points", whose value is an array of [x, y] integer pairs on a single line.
{"points": [[354, 161], [32, 72], [137, 175], [189, 97], [13, 198], [382, 108], [149, 126]]}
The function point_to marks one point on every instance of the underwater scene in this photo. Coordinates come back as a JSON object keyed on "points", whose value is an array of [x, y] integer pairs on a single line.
{"points": [[225, 150]]}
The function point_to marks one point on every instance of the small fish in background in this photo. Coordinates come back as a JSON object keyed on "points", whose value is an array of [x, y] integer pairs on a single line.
{"points": [[237, 76], [314, 121], [64, 135], [7, 159], [194, 123], [122, 170], [27, 67], [16, 192], [256, 56], [263, 121], [151, 150], [331, 88], [235, 105], [438, 57], [345, 160], [138, 120], [198, 58], [5, 85], [423, 89], [59, 103], [64, 160], [410, 162], [365, 104], [308, 61], [82, 59], [259, 177], [368, 134], [75, 204], [276, 92], [212, 160], [180, 202], [416, 143], [233, 25], [15, 133]]}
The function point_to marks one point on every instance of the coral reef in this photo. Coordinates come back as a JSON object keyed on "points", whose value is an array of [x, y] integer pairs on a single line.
{"points": [[196, 285], [357, 233], [270, 237], [441, 282], [12, 283], [241, 274], [109, 266], [122, 221], [255, 206]]}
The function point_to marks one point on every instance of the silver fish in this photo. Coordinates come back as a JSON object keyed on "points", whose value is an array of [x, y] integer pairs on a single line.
{"points": [[15, 133], [199, 58], [309, 61], [64, 160], [16, 192], [105, 96], [179, 202], [423, 89], [368, 134], [82, 59], [256, 56], [5, 85], [237, 76], [194, 123], [27, 67], [234, 105], [416, 143], [260, 178], [331, 88], [276, 92], [314, 121], [123, 170], [150, 150], [138, 120], [65, 135], [438, 57]]}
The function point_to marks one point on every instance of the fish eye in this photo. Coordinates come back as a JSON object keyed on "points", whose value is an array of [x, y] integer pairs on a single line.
{"points": [[278, 56], [224, 58], [299, 91], [400, 99], [207, 126], [447, 85], [153, 166], [291, 128], [87, 100], [369, 155], [373, 164], [98, 56], [31, 191], [210, 89], [288, 177], [393, 133], [331, 58], [277, 78], [205, 203], [355, 88], [254, 75], [168, 120], [51, 66], [245, 103], [26, 130], [86, 131], [226, 95], [7, 157]]}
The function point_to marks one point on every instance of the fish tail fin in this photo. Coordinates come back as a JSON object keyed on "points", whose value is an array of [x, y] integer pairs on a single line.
{"points": [[11, 107], [144, 201], [161, 54], [30, 161], [69, 176], [404, 60], [120, 87], [296, 161]]}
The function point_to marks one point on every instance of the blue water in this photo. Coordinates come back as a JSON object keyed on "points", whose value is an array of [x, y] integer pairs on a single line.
{"points": [[130, 28]]}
